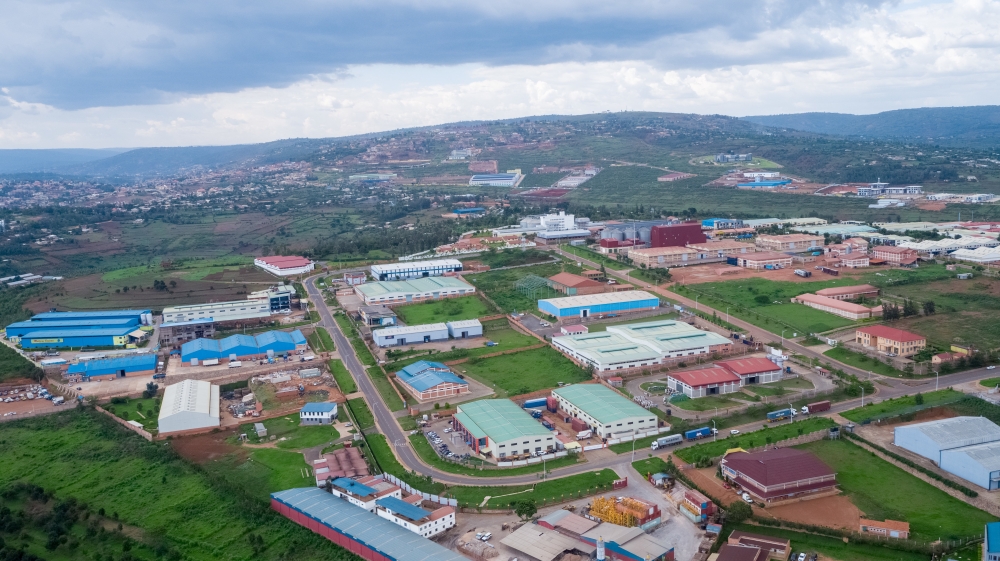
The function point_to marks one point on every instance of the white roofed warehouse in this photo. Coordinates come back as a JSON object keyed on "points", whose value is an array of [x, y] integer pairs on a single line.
{"points": [[930, 439], [605, 411], [189, 406], [406, 270], [392, 293], [410, 334]]}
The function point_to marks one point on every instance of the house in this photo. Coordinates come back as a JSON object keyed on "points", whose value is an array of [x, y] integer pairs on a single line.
{"points": [[890, 340], [778, 475], [886, 528], [356, 278], [377, 316], [426, 523], [318, 413], [574, 285], [365, 491]]}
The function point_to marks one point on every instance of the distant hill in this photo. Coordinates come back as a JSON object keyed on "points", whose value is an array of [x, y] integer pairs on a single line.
{"points": [[38, 161], [968, 126]]}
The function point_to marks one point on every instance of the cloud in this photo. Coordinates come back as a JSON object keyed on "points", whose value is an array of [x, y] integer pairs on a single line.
{"points": [[75, 55]]}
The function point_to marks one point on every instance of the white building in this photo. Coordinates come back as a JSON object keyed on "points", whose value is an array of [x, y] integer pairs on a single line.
{"points": [[318, 413], [284, 265], [495, 179], [189, 405], [605, 411], [412, 291], [535, 224], [932, 438], [410, 334], [415, 519], [406, 270], [464, 329], [981, 255], [219, 311], [365, 491]]}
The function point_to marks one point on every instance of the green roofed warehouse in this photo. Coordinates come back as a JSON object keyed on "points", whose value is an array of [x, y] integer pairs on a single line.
{"points": [[605, 411], [501, 428]]}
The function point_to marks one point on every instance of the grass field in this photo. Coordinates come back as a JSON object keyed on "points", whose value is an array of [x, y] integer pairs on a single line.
{"points": [[144, 411], [325, 339], [344, 379], [863, 362], [832, 548], [654, 464], [775, 389], [773, 433], [499, 285], [709, 403], [505, 339], [385, 388], [364, 355], [448, 309], [564, 488], [363, 417], [427, 453], [899, 405], [990, 382], [204, 514], [594, 257], [883, 491], [524, 372], [290, 435]]}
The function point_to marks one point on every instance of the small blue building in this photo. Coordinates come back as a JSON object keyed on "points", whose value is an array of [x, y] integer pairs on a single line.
{"points": [[318, 413], [991, 545], [111, 368], [594, 304]]}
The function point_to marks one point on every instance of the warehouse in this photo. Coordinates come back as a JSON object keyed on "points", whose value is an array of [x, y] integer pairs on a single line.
{"points": [[19, 329], [501, 428], [219, 311], [575, 285], [63, 338], [978, 464], [109, 328], [659, 257], [637, 345], [838, 307], [722, 248], [752, 370], [361, 532], [764, 260], [850, 292], [111, 368], [284, 265], [428, 381], [240, 347], [594, 304], [604, 410], [495, 179], [465, 329], [417, 290], [407, 270], [779, 474], [932, 438], [177, 332], [189, 406], [704, 381], [790, 242], [410, 334], [144, 317]]}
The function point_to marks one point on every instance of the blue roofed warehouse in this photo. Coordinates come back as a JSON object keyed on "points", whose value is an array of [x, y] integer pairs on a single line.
{"points": [[428, 381], [595, 304], [240, 347]]}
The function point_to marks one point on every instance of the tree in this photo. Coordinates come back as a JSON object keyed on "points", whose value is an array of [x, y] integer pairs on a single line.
{"points": [[525, 509], [910, 308], [929, 307], [918, 399], [739, 512]]}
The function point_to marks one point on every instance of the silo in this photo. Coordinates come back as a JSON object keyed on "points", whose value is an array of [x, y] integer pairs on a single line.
{"points": [[620, 235], [607, 234], [645, 234]]}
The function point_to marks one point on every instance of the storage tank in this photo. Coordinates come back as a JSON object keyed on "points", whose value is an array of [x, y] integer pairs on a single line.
{"points": [[619, 235], [607, 234], [645, 234], [552, 404], [578, 425]]}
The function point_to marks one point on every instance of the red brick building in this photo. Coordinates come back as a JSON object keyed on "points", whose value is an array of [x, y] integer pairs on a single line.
{"points": [[676, 235], [779, 474]]}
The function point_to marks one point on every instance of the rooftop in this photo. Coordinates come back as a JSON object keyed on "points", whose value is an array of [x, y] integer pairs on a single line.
{"points": [[887, 524], [190, 396], [353, 487], [601, 402], [569, 279], [419, 286], [705, 376], [424, 375], [285, 261], [318, 407], [748, 366], [992, 544], [407, 329], [142, 362], [464, 323], [957, 432], [785, 238], [387, 538], [841, 290], [777, 466], [658, 251], [415, 265], [833, 303], [48, 333], [765, 256], [198, 321], [46, 316], [891, 333], [604, 298], [541, 543], [720, 244], [403, 508], [730, 552], [499, 419]]}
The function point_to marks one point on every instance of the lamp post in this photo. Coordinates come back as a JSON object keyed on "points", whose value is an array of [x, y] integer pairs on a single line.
{"points": [[791, 417], [783, 336], [727, 314], [715, 431], [543, 467], [936, 374], [862, 396], [696, 302], [633, 446]]}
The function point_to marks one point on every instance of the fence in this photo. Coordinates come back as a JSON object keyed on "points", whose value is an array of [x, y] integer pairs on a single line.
{"points": [[427, 496], [138, 430], [538, 460]]}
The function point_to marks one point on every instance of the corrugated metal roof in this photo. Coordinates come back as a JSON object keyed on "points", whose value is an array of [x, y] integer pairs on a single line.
{"points": [[415, 286], [408, 329], [603, 298], [601, 402], [403, 508], [541, 543], [318, 407], [380, 534], [464, 323], [127, 363], [957, 431], [424, 375], [46, 316], [56, 333], [501, 419], [353, 486]]}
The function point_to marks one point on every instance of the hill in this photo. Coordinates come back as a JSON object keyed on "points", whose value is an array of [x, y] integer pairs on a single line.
{"points": [[958, 126], [38, 161]]}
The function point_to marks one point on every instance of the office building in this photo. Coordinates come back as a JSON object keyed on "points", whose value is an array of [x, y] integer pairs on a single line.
{"points": [[890, 340]]}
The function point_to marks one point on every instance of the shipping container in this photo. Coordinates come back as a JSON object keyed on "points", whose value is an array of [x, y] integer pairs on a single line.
{"points": [[697, 433], [818, 406], [552, 404], [210, 362], [830, 271], [578, 425], [582, 435], [803, 273], [665, 441], [537, 402], [778, 415]]}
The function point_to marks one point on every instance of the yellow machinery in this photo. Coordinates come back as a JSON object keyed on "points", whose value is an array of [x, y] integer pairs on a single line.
{"points": [[607, 509]]}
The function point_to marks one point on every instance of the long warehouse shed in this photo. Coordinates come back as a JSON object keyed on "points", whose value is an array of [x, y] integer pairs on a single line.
{"points": [[594, 304], [239, 347], [605, 411]]}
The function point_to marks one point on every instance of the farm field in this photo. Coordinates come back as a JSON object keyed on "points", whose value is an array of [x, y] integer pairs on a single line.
{"points": [[499, 285], [448, 309], [290, 435], [204, 515], [883, 491], [524, 372], [863, 362]]}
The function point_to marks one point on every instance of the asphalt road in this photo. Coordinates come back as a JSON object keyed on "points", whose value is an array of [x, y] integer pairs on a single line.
{"points": [[387, 425]]}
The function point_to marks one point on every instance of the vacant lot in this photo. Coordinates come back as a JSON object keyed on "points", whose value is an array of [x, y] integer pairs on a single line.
{"points": [[863, 362], [966, 311], [449, 309], [900, 405], [524, 372], [499, 285], [773, 433], [883, 491], [289, 434], [505, 339], [833, 548]]}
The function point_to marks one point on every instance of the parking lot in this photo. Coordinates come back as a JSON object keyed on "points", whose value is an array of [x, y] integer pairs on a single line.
{"points": [[446, 441]]}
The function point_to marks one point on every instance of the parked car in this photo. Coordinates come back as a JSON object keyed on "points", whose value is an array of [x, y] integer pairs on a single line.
{"points": [[734, 432], [991, 367], [747, 498], [802, 556]]}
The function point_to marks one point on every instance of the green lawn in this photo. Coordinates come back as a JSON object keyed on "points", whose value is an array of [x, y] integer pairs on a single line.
{"points": [[360, 349], [773, 433], [379, 448], [505, 339], [427, 453], [901, 405], [654, 464], [344, 379], [295, 436], [204, 513], [833, 548], [553, 490], [709, 403], [858, 360], [884, 491], [385, 389], [990, 382], [499, 285], [594, 257], [448, 309], [363, 417], [325, 339], [523, 372], [144, 411]]}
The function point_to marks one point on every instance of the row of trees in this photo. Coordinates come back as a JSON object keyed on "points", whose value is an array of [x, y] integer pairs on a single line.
{"points": [[892, 311]]}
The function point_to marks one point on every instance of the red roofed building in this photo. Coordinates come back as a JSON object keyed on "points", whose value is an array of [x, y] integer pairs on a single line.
{"points": [[778, 475], [575, 285], [836, 307], [895, 255], [890, 340], [284, 265], [850, 292], [676, 235], [753, 370], [704, 381]]}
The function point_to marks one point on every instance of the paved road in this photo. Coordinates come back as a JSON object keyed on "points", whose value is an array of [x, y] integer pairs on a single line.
{"points": [[387, 425]]}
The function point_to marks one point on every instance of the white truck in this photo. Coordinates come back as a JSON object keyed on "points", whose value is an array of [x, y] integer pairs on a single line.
{"points": [[235, 364], [665, 441], [210, 362], [58, 400], [583, 435]]}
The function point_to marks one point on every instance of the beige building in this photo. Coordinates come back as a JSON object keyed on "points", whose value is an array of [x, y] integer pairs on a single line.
{"points": [[723, 248], [837, 307], [658, 257], [764, 259], [790, 242], [890, 340]]}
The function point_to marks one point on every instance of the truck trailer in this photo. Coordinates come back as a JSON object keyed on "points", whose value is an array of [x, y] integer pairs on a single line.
{"points": [[775, 416], [665, 441], [697, 433], [816, 407], [803, 273]]}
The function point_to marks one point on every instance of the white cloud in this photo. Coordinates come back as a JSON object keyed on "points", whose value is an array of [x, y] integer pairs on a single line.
{"points": [[911, 55]]}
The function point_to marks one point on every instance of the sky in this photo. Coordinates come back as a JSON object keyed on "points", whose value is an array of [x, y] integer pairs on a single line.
{"points": [[117, 73]]}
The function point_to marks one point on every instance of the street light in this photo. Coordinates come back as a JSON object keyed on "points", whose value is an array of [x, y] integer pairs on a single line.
{"points": [[727, 314], [715, 431], [633, 447], [791, 417], [696, 302], [936, 374], [783, 336]]}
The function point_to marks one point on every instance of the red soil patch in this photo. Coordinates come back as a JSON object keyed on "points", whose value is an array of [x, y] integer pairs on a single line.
{"points": [[832, 512], [206, 447]]}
